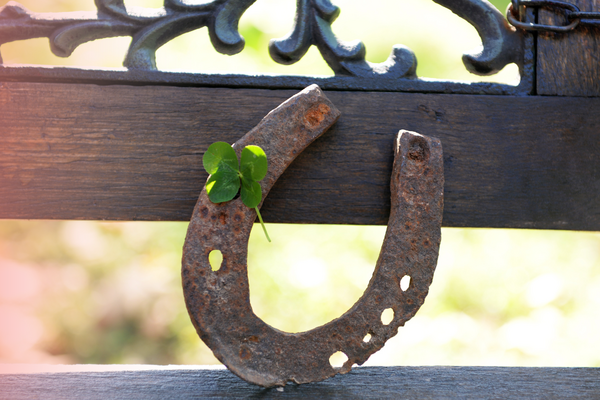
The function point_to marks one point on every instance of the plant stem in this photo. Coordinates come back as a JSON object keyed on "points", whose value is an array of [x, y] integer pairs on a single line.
{"points": [[262, 223]]}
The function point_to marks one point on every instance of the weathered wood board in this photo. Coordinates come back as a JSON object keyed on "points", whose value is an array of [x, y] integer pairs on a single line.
{"points": [[82, 151], [568, 64], [362, 383]]}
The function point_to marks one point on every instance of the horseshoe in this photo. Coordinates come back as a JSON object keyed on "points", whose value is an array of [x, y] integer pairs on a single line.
{"points": [[219, 302]]}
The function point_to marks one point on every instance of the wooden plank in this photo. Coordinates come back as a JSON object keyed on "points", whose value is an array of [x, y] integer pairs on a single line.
{"points": [[568, 64], [134, 153], [361, 383]]}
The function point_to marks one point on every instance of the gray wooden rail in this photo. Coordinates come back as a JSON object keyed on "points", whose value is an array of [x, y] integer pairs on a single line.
{"points": [[362, 383]]}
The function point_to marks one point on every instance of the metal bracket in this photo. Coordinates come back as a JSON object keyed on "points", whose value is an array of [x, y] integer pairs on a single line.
{"points": [[219, 302]]}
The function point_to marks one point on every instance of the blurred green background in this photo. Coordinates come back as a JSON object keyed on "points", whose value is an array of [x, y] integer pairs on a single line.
{"points": [[108, 292]]}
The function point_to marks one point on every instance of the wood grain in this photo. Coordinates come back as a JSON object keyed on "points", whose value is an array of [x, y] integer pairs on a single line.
{"points": [[568, 64], [361, 383], [82, 151]]}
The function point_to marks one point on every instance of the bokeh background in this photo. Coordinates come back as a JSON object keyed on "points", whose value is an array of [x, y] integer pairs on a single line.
{"points": [[107, 292]]}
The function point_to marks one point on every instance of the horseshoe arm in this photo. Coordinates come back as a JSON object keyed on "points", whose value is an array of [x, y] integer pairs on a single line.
{"points": [[218, 301]]}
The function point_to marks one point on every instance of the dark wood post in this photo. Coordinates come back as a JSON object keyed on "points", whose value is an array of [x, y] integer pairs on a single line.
{"points": [[568, 64]]}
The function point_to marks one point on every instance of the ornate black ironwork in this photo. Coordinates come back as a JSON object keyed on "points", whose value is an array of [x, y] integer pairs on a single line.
{"points": [[151, 28], [502, 45], [313, 26]]}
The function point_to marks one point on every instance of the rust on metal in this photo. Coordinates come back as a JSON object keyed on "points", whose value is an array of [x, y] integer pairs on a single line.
{"points": [[219, 301]]}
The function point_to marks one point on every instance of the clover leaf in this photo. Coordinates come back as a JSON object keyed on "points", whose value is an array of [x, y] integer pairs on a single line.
{"points": [[227, 176], [253, 168]]}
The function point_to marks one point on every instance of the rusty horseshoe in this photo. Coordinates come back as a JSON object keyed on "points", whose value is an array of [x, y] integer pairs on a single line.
{"points": [[219, 301]]}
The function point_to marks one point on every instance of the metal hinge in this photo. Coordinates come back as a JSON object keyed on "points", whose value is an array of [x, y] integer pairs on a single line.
{"points": [[572, 14]]}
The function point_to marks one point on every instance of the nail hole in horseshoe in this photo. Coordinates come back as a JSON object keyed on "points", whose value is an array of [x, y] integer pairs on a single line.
{"points": [[418, 150], [215, 259], [367, 338], [338, 359], [387, 316], [405, 283]]}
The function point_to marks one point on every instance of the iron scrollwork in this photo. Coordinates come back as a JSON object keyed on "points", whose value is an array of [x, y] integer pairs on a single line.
{"points": [[152, 28], [149, 28], [313, 27]]}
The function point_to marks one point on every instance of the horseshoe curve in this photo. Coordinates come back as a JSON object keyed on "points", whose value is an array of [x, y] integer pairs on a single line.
{"points": [[219, 302]]}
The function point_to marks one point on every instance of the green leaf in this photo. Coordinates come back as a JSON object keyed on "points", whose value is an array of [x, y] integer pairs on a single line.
{"points": [[251, 193], [226, 175], [223, 185], [219, 155], [253, 165]]}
